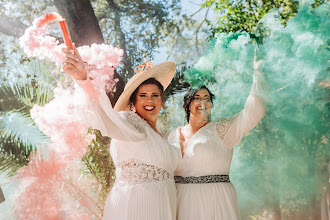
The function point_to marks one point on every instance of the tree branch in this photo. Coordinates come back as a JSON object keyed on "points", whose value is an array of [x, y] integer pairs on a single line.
{"points": [[128, 69], [199, 27], [181, 29], [195, 13], [11, 27]]}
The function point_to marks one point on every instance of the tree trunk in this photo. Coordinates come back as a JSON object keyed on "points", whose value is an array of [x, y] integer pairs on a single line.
{"points": [[82, 23], [85, 30]]}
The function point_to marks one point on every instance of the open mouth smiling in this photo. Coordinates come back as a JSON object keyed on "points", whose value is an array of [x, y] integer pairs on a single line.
{"points": [[149, 108]]}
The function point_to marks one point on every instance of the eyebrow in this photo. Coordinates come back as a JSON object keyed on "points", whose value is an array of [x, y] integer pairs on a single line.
{"points": [[204, 95], [144, 93]]}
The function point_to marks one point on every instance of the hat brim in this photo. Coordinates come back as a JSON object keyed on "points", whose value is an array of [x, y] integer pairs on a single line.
{"points": [[162, 72]]}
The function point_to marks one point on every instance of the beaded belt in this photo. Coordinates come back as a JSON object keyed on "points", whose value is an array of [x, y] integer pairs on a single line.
{"points": [[202, 179]]}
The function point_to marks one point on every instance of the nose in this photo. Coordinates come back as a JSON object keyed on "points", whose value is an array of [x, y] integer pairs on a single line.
{"points": [[202, 102], [150, 98]]}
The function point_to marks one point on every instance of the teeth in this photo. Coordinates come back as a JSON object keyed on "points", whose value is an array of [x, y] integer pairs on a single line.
{"points": [[149, 107]]}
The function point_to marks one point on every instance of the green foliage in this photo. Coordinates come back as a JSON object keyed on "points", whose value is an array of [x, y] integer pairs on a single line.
{"points": [[178, 84], [25, 97], [13, 154], [18, 134], [19, 137], [20, 127], [99, 164], [244, 15]]}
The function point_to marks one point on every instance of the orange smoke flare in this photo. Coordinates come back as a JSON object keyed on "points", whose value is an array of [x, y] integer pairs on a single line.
{"points": [[55, 16], [65, 33]]}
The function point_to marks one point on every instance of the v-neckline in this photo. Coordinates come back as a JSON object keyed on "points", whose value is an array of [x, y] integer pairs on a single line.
{"points": [[191, 139], [145, 121], [159, 134]]}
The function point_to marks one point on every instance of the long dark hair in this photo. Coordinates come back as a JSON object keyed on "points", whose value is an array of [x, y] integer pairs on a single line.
{"points": [[152, 81], [188, 97]]}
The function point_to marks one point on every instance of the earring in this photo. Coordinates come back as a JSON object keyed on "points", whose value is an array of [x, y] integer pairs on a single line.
{"points": [[132, 107]]}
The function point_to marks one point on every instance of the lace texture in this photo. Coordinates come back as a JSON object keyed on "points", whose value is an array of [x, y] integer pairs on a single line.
{"points": [[135, 120], [223, 126], [136, 172]]}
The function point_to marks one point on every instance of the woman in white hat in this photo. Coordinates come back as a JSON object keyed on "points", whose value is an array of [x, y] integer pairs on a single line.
{"points": [[145, 162]]}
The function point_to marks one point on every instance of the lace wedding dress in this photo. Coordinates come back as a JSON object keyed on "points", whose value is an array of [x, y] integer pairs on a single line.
{"points": [[203, 187], [144, 188]]}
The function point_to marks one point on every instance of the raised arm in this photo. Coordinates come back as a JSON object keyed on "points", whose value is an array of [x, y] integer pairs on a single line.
{"points": [[92, 106], [231, 130]]}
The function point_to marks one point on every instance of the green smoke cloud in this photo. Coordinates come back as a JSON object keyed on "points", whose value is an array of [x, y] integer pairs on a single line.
{"points": [[282, 164]]}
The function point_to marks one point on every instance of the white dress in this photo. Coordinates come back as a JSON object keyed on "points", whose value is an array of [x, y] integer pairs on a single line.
{"points": [[209, 152], [144, 188]]}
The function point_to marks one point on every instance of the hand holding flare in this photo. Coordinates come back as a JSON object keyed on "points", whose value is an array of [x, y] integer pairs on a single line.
{"points": [[54, 16], [72, 63], [37, 43]]}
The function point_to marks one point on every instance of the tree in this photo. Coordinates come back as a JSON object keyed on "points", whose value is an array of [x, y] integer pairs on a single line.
{"points": [[244, 15]]}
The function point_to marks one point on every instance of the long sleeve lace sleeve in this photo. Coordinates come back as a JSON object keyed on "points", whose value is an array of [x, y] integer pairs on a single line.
{"points": [[93, 108], [231, 130]]}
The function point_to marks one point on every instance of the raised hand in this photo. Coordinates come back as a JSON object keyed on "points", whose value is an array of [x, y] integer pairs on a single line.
{"points": [[73, 64], [255, 62]]}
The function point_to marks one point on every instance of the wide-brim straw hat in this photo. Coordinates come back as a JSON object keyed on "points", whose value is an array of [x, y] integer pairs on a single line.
{"points": [[162, 72]]}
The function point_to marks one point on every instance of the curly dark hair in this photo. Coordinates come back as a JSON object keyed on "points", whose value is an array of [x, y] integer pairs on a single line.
{"points": [[188, 97]]}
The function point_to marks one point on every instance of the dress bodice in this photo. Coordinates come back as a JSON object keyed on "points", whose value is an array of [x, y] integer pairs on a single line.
{"points": [[210, 150], [151, 150], [206, 154]]}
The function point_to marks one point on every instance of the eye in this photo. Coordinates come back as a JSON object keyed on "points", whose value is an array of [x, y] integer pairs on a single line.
{"points": [[143, 95], [196, 98], [207, 99], [155, 95]]}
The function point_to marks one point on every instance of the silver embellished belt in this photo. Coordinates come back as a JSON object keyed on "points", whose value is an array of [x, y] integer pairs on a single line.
{"points": [[202, 179]]}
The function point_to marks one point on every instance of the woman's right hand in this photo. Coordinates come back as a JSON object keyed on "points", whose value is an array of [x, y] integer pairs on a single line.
{"points": [[73, 64]]}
